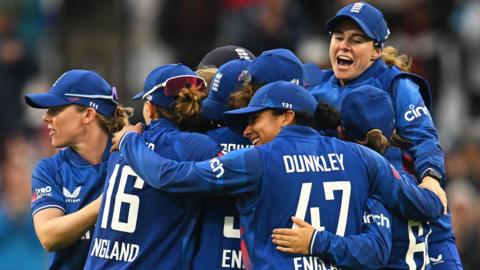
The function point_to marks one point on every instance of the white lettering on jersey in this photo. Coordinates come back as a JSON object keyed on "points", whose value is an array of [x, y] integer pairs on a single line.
{"points": [[119, 251], [380, 220], [232, 258], [216, 165], [414, 113], [312, 263], [228, 147], [310, 163], [71, 197]]}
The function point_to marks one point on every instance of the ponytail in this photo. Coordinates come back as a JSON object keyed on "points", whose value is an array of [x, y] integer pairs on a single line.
{"points": [[375, 140], [392, 57]]}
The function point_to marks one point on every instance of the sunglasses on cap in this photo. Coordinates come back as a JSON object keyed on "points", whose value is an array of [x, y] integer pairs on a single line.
{"points": [[173, 85]]}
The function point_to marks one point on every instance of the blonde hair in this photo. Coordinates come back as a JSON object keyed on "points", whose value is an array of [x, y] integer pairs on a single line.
{"points": [[242, 97], [117, 121], [111, 124], [207, 74], [186, 111], [375, 140], [392, 57]]}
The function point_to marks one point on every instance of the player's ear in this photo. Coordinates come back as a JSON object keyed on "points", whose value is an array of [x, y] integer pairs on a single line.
{"points": [[289, 118], [89, 115]]}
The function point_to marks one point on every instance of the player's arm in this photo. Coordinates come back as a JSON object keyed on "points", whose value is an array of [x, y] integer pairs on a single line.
{"points": [[55, 230], [413, 122], [367, 250], [234, 173], [402, 196]]}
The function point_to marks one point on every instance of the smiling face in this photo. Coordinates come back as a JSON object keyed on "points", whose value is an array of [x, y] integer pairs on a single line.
{"points": [[351, 51], [64, 125], [263, 127]]}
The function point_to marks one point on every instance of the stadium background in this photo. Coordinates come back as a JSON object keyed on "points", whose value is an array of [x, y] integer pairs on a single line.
{"points": [[124, 39]]}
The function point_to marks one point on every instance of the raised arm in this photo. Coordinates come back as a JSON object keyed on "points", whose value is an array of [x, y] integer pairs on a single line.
{"points": [[234, 173]]}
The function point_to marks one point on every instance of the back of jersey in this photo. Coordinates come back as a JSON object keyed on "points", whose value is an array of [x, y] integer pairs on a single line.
{"points": [[321, 180], [140, 227]]}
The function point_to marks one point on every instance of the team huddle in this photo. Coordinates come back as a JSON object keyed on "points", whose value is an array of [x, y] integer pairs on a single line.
{"points": [[249, 163]]}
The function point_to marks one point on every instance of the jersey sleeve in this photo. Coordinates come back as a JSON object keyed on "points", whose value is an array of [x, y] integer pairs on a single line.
{"points": [[413, 122], [46, 191], [367, 250], [235, 173], [398, 193]]}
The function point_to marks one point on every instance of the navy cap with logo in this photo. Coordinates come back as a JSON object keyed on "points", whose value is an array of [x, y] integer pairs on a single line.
{"points": [[275, 65], [276, 95], [222, 85], [77, 86], [163, 84], [367, 17], [367, 108], [224, 54]]}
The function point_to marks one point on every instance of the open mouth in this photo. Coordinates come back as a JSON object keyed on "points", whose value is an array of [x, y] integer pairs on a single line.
{"points": [[255, 141], [344, 61]]}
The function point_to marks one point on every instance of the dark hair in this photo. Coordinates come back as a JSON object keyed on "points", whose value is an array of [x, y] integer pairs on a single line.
{"points": [[326, 117]]}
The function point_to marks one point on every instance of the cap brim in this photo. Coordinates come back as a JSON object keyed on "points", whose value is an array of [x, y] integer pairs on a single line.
{"points": [[45, 100], [237, 120], [213, 109], [335, 20], [138, 96]]}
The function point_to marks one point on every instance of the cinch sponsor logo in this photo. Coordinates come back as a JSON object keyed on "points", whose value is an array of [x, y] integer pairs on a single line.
{"points": [[42, 192], [380, 220], [73, 196], [415, 112]]}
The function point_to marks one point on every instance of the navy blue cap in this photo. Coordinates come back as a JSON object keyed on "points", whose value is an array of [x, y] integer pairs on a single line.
{"points": [[275, 65], [276, 95], [224, 54], [77, 86], [367, 17], [153, 86], [367, 108], [222, 85]]}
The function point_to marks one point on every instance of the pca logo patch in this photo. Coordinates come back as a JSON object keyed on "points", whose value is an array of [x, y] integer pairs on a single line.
{"points": [[71, 197], [38, 193]]}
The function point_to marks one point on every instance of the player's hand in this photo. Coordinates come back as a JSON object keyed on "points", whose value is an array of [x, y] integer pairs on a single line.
{"points": [[433, 185], [117, 137], [296, 240]]}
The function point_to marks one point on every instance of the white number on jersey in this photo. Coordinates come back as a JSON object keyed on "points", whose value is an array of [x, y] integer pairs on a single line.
{"points": [[329, 188], [121, 197], [416, 246]]}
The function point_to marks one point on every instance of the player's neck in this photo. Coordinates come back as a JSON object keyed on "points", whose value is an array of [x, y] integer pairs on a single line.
{"points": [[92, 146]]}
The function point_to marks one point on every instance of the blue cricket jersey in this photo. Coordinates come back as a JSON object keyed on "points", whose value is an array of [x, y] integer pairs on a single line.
{"points": [[412, 118], [140, 227], [219, 242], [412, 121], [319, 179], [68, 182]]}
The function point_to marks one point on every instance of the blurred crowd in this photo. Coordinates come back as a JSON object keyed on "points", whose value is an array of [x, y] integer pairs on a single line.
{"points": [[123, 40]]}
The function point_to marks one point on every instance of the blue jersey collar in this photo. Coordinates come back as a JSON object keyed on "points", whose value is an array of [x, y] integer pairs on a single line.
{"points": [[160, 123], [375, 70], [74, 157], [298, 131]]}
